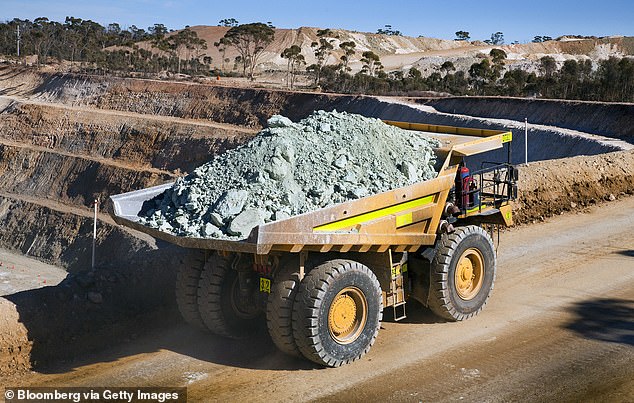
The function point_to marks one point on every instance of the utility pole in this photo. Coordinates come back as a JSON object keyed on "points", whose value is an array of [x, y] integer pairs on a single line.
{"points": [[526, 141], [18, 40], [94, 232]]}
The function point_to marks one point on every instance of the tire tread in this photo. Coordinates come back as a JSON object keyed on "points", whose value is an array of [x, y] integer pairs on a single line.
{"points": [[187, 278], [439, 298], [279, 310], [306, 309], [210, 294]]}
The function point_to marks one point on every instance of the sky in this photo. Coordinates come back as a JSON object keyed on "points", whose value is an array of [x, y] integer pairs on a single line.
{"points": [[519, 21]]}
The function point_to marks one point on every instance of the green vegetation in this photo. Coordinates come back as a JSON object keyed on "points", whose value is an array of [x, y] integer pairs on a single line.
{"points": [[496, 39], [322, 49], [222, 46], [94, 47], [348, 52], [371, 63], [540, 38], [612, 81], [462, 36], [387, 30], [228, 22], [250, 40], [295, 59], [183, 45]]}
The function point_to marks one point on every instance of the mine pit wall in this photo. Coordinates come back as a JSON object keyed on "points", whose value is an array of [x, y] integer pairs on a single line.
{"points": [[252, 107], [544, 143], [72, 180], [135, 140], [607, 119], [63, 238]]}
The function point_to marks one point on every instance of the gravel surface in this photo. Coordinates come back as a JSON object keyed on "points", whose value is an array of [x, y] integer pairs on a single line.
{"points": [[292, 168]]}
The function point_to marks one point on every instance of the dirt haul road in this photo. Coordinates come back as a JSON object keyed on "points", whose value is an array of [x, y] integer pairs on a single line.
{"points": [[559, 327]]}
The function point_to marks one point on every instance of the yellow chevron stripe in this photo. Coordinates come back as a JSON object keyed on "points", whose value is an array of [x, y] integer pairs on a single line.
{"points": [[373, 215]]}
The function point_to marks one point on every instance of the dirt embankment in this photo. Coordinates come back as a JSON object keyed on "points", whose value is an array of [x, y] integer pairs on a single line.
{"points": [[15, 347], [139, 141], [70, 179], [549, 188], [246, 107], [606, 119]]}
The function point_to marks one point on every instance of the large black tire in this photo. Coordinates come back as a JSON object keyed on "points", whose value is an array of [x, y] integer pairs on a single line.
{"points": [[279, 308], [321, 334], [462, 273], [187, 279], [220, 308]]}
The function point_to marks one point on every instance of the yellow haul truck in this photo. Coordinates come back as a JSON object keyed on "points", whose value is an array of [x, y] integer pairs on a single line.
{"points": [[322, 279]]}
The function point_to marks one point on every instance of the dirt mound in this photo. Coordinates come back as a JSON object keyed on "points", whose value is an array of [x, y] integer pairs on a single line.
{"points": [[289, 169], [15, 347], [303, 37], [552, 187]]}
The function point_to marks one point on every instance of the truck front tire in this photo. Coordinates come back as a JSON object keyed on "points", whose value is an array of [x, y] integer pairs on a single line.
{"points": [[462, 273]]}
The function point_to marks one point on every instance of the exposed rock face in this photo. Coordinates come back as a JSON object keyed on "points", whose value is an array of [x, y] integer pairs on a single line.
{"points": [[292, 168]]}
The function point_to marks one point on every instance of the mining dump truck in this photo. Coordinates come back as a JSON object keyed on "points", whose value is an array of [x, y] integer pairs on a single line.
{"points": [[323, 279]]}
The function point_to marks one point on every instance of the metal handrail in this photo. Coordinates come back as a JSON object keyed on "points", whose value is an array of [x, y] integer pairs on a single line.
{"points": [[495, 185]]}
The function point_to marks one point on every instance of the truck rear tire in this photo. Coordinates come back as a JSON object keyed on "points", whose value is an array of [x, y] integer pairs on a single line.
{"points": [[187, 279], [462, 273], [337, 312], [279, 308], [222, 309]]}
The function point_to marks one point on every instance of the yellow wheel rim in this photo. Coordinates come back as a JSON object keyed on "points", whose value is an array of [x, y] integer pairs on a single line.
{"points": [[347, 315], [469, 274]]}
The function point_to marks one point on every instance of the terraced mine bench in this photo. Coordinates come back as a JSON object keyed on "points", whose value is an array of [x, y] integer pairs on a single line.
{"points": [[323, 278]]}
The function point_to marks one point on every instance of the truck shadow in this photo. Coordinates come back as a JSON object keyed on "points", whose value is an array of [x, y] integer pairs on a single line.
{"points": [[68, 336], [124, 310], [416, 314], [68, 333], [607, 319]]}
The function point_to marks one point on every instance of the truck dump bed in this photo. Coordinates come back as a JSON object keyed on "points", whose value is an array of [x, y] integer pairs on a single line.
{"points": [[402, 219]]}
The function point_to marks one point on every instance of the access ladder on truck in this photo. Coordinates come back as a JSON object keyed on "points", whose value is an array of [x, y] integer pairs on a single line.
{"points": [[323, 278]]}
